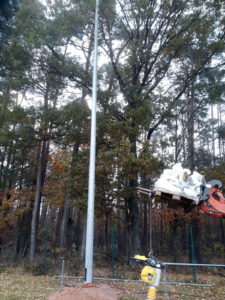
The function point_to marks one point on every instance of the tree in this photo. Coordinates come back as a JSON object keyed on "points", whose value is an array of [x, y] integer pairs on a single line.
{"points": [[146, 42], [153, 93]]}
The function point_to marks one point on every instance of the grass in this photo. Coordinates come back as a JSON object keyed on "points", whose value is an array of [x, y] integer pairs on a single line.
{"points": [[181, 292], [15, 284]]}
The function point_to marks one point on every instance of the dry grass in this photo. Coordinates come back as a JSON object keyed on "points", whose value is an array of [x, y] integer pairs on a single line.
{"points": [[181, 292], [17, 285]]}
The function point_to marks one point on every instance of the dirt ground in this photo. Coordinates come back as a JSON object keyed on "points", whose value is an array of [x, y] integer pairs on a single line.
{"points": [[99, 291]]}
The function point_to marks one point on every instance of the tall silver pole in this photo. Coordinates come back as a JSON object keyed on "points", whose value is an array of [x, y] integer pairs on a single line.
{"points": [[91, 184]]}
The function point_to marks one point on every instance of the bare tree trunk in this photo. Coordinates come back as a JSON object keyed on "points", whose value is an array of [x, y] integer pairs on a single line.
{"points": [[220, 141], [64, 224], [67, 203], [82, 251], [35, 213], [133, 211], [176, 139], [191, 164], [213, 135], [120, 235], [58, 225], [88, 61], [133, 215], [183, 138], [145, 226], [190, 120], [43, 214], [175, 240], [79, 228], [106, 231]]}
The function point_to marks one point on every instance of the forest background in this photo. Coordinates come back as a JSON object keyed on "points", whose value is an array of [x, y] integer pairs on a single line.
{"points": [[160, 101]]}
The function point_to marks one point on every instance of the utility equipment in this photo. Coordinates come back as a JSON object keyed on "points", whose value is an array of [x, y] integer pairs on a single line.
{"points": [[150, 274], [211, 200]]}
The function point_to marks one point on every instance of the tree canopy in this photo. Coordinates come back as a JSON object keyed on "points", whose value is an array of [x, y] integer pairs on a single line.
{"points": [[160, 101]]}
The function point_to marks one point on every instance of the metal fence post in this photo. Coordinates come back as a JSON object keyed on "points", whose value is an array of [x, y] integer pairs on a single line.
{"points": [[165, 284], [193, 254], [62, 274], [113, 251]]}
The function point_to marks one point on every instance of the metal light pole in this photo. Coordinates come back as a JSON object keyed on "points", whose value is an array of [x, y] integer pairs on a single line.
{"points": [[91, 184]]}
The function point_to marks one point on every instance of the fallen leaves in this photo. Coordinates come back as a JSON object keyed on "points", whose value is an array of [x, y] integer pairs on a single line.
{"points": [[17, 285]]}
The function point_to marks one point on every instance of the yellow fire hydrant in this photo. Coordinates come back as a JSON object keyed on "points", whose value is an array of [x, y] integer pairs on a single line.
{"points": [[151, 273]]}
